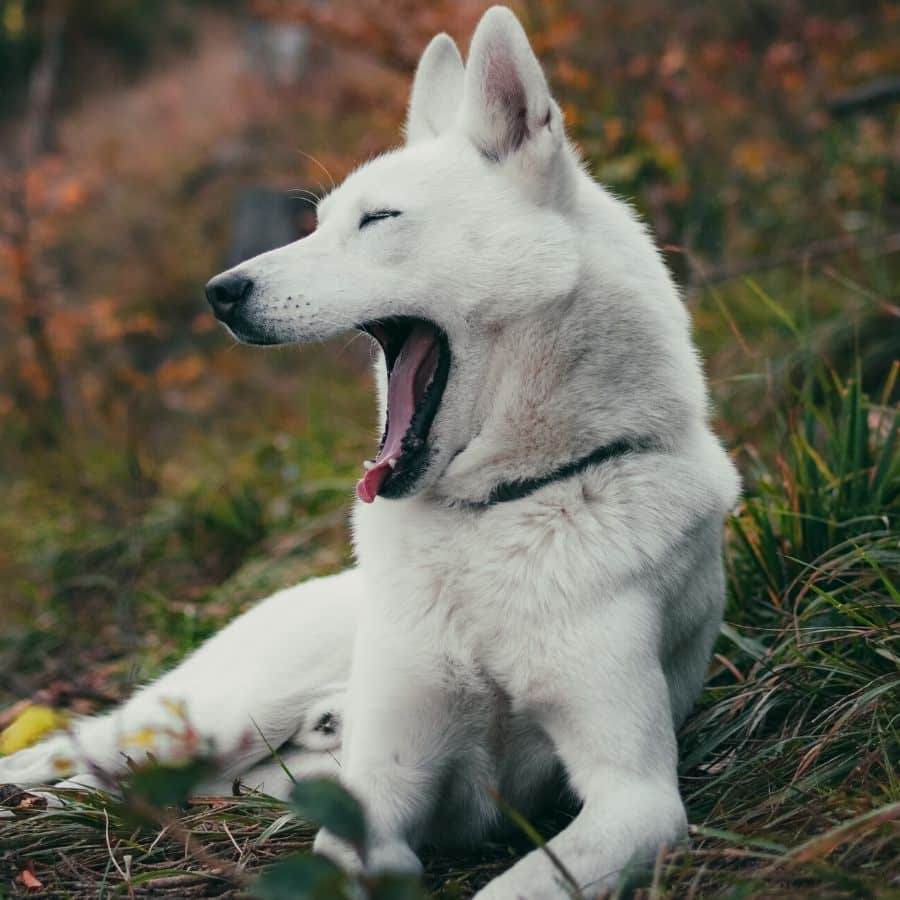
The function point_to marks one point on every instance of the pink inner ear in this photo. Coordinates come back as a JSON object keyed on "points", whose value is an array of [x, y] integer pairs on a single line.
{"points": [[505, 99]]}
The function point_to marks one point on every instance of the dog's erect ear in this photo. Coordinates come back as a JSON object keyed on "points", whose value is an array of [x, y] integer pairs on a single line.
{"points": [[437, 90], [506, 103]]}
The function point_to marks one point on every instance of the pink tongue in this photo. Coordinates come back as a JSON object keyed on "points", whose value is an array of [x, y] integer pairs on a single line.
{"points": [[409, 379]]}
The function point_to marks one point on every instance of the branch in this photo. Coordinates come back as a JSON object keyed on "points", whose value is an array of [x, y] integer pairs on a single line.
{"points": [[869, 96], [34, 138], [42, 84], [884, 243]]}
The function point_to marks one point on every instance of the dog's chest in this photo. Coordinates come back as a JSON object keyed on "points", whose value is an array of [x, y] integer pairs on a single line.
{"points": [[491, 590]]}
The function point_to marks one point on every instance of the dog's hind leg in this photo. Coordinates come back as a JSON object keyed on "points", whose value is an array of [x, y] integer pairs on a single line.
{"points": [[262, 681]]}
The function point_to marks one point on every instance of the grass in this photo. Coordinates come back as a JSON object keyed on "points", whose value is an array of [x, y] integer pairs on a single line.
{"points": [[789, 764]]}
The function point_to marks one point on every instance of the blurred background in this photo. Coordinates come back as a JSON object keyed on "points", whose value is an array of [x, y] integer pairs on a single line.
{"points": [[155, 478]]}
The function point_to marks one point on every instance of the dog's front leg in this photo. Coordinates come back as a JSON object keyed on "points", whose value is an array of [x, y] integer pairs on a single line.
{"points": [[600, 693], [398, 731]]}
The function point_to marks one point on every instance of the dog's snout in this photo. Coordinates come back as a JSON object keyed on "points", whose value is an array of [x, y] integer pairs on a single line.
{"points": [[226, 292]]}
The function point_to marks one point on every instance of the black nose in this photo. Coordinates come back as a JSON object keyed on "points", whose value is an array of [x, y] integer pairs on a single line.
{"points": [[226, 292]]}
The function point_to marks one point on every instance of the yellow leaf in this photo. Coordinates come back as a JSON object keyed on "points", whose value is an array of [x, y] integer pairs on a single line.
{"points": [[145, 738], [176, 707], [29, 727], [63, 766]]}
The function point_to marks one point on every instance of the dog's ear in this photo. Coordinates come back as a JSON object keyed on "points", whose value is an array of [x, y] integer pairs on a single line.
{"points": [[437, 90], [506, 103]]}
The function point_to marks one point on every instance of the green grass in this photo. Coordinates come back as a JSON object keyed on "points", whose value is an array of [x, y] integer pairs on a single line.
{"points": [[789, 764], [793, 751], [107, 560]]}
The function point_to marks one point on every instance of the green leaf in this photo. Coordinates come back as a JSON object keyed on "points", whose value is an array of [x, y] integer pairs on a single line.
{"points": [[325, 802], [160, 785], [776, 308], [305, 877], [732, 837], [273, 828], [750, 646], [392, 886]]}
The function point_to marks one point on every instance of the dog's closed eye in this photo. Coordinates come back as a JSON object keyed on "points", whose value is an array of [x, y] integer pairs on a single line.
{"points": [[368, 217]]}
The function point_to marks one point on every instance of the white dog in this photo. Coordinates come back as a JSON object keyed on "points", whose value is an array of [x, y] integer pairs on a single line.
{"points": [[539, 579]]}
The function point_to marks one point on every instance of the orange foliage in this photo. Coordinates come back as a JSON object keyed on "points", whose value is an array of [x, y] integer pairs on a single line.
{"points": [[179, 372], [716, 125]]}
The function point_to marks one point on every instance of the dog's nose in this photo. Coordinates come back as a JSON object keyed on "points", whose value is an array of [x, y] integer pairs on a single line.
{"points": [[226, 292]]}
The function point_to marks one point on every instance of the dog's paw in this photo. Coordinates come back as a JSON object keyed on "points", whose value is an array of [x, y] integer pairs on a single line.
{"points": [[390, 856], [396, 856], [338, 851], [45, 763], [536, 878]]}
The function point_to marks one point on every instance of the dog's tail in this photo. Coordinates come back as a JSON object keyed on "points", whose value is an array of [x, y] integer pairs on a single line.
{"points": [[274, 678]]}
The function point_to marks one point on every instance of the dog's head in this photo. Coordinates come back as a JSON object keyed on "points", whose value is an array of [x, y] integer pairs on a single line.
{"points": [[464, 253]]}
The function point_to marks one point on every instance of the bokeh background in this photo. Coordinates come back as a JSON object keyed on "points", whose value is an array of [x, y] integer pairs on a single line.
{"points": [[155, 478]]}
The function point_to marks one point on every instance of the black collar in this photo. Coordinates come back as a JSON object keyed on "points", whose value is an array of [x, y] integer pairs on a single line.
{"points": [[516, 490]]}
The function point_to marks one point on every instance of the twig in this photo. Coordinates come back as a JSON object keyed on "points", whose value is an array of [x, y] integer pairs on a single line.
{"points": [[157, 839], [233, 841], [884, 243], [109, 848], [273, 752], [656, 884], [868, 96], [34, 132]]}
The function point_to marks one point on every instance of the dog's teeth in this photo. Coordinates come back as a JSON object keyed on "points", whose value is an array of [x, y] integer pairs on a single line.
{"points": [[368, 464], [392, 462]]}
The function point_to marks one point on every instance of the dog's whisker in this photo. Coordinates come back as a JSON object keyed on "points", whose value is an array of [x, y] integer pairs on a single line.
{"points": [[321, 165]]}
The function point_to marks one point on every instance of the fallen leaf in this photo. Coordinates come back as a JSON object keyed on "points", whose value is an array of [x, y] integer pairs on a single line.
{"points": [[29, 880], [13, 712], [29, 727], [13, 797], [10, 794]]}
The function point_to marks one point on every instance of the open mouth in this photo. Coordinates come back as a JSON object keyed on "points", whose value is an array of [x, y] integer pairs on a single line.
{"points": [[417, 354]]}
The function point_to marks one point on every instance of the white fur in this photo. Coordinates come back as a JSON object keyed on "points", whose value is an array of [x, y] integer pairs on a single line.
{"points": [[563, 635]]}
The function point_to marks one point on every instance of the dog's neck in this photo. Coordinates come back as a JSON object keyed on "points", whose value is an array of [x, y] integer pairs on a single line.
{"points": [[562, 392], [510, 491]]}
